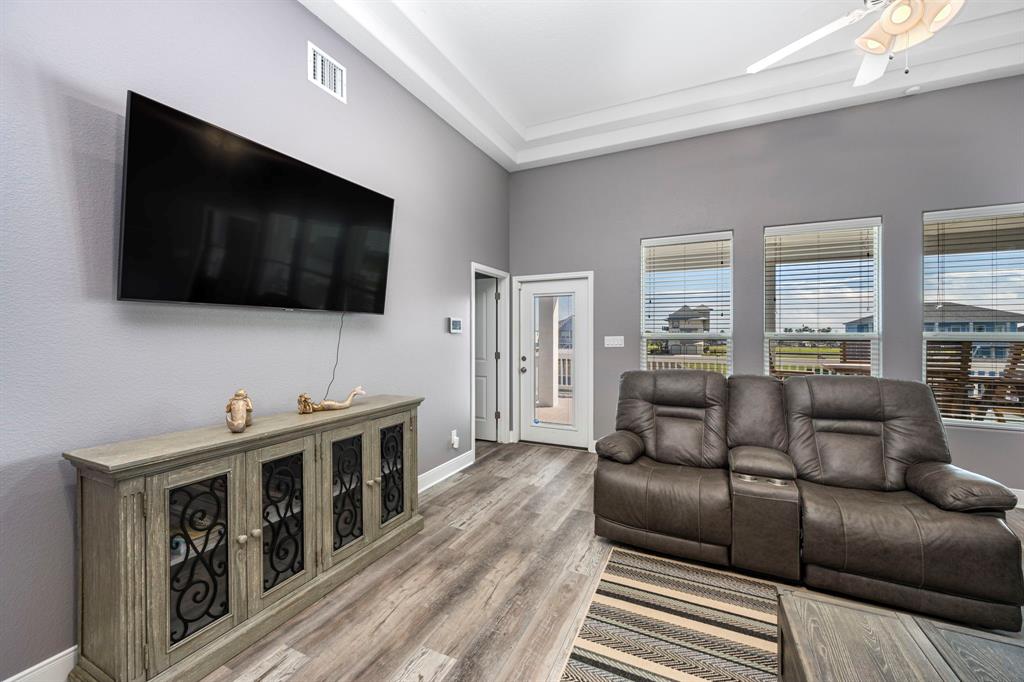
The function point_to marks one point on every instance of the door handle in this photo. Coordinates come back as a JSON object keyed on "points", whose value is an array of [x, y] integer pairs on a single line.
{"points": [[242, 539], [372, 482]]}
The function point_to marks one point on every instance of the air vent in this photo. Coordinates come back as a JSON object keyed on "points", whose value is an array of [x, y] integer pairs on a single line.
{"points": [[326, 73]]}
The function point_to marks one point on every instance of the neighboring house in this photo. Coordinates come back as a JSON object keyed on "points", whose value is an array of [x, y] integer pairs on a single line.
{"points": [[565, 332], [947, 316], [688, 320]]}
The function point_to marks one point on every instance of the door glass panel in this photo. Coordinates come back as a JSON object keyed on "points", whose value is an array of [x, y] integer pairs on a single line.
{"points": [[347, 490], [554, 348], [392, 492], [197, 520], [283, 542]]}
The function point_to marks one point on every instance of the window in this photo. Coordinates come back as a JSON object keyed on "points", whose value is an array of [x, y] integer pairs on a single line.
{"points": [[974, 313], [686, 301], [821, 298]]}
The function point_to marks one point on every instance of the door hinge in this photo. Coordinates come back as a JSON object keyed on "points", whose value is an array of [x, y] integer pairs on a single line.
{"points": [[497, 355], [497, 416], [497, 295], [145, 658]]}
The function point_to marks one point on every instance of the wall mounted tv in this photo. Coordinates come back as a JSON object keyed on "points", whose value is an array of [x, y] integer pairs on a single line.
{"points": [[211, 217]]}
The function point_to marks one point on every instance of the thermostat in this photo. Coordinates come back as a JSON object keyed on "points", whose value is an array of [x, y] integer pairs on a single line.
{"points": [[454, 325]]}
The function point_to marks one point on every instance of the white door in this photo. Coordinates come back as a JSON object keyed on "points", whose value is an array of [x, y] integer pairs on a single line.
{"points": [[485, 360], [554, 352]]}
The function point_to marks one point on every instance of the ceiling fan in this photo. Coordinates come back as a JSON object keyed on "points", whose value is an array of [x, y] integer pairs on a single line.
{"points": [[901, 25]]}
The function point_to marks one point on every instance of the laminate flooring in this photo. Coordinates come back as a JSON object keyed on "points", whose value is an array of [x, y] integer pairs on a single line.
{"points": [[493, 588]]}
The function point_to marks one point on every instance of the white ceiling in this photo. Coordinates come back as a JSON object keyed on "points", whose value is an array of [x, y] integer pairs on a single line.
{"points": [[535, 82]]}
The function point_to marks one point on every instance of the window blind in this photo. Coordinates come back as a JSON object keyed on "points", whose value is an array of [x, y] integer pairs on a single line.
{"points": [[686, 302], [973, 316], [821, 289]]}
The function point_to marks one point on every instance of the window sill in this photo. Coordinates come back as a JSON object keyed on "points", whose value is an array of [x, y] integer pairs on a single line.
{"points": [[984, 426]]}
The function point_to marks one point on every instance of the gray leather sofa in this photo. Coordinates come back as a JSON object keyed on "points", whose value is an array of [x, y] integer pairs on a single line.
{"points": [[844, 483]]}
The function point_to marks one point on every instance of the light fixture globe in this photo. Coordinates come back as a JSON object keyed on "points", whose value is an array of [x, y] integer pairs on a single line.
{"points": [[938, 13], [901, 16], [875, 40]]}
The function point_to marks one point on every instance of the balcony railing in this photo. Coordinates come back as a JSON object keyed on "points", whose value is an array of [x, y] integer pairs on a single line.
{"points": [[792, 357], [981, 381]]}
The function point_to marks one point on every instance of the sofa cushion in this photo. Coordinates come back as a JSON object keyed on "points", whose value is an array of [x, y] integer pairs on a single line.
{"points": [[861, 432], [685, 502], [899, 537], [757, 413], [678, 414]]}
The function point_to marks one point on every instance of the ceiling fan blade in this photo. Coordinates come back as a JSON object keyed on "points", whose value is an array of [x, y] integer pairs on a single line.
{"points": [[813, 37], [872, 67]]}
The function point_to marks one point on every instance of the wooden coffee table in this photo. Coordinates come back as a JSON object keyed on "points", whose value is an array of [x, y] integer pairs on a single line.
{"points": [[826, 638]]}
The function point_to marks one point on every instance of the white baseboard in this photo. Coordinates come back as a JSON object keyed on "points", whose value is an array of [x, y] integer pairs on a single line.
{"points": [[1020, 497], [54, 669], [449, 468]]}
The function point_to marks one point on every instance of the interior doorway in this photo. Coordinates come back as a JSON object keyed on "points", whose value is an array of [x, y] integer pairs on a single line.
{"points": [[553, 332], [489, 346]]}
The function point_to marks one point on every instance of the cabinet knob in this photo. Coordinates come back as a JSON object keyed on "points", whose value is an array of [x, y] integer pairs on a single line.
{"points": [[256, 532], [242, 539], [372, 482]]}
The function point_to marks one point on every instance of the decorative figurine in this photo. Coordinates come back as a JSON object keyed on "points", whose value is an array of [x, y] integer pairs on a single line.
{"points": [[307, 406], [239, 411]]}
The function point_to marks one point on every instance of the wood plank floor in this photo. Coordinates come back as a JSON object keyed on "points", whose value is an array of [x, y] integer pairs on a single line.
{"points": [[493, 588]]}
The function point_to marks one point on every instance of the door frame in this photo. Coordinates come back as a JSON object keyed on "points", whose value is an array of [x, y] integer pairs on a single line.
{"points": [[588, 366], [504, 351]]}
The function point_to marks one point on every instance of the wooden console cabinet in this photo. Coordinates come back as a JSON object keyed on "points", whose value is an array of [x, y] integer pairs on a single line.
{"points": [[193, 545]]}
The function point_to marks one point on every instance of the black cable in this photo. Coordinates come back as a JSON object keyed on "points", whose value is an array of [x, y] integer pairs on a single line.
{"points": [[337, 355]]}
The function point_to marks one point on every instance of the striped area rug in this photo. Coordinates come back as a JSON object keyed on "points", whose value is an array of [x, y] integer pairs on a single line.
{"points": [[659, 619]]}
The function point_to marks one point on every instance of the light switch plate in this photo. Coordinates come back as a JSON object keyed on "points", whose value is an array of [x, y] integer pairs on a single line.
{"points": [[614, 341]]}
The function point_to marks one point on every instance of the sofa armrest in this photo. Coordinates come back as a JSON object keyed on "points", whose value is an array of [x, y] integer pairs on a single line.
{"points": [[622, 446], [955, 489], [757, 461]]}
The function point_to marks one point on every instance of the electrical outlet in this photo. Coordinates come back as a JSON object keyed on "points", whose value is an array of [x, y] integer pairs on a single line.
{"points": [[455, 438]]}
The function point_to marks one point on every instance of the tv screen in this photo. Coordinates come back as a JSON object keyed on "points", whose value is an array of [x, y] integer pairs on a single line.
{"points": [[211, 217]]}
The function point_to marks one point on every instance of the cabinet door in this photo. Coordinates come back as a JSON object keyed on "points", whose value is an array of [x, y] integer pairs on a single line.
{"points": [[345, 457], [195, 557], [392, 482], [281, 494]]}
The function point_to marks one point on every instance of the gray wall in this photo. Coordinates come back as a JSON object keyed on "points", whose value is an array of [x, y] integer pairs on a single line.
{"points": [[949, 149], [80, 369]]}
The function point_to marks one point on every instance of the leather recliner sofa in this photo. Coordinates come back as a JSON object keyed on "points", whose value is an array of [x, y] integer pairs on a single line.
{"points": [[843, 483]]}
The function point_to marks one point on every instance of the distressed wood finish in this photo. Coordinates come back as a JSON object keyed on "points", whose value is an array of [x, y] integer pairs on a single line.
{"points": [[258, 599], [827, 638], [172, 450], [328, 556], [124, 561]]}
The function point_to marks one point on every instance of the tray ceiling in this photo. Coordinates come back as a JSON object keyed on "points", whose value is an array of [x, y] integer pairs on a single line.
{"points": [[539, 82]]}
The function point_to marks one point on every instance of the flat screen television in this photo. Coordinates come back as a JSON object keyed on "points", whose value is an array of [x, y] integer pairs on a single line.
{"points": [[211, 217]]}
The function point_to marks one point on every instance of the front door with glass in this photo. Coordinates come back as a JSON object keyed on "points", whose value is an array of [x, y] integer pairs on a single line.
{"points": [[555, 345]]}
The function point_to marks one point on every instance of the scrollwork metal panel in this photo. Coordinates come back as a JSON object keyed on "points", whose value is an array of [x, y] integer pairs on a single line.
{"points": [[347, 490], [392, 465], [283, 527], [197, 522]]}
